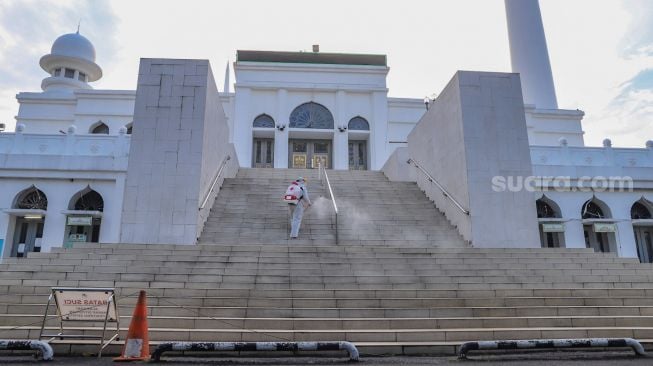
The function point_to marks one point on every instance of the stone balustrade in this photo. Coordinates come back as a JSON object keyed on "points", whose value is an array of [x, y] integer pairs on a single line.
{"points": [[66, 144], [605, 156]]}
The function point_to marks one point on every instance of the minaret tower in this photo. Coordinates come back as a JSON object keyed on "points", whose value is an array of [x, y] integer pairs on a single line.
{"points": [[71, 64], [528, 53]]}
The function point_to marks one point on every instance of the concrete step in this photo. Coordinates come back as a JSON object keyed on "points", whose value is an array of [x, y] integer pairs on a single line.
{"points": [[362, 335]]}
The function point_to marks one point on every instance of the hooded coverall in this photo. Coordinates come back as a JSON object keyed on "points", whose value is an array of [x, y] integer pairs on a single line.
{"points": [[297, 211]]}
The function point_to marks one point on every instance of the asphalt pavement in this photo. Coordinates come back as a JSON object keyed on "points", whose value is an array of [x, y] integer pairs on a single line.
{"points": [[561, 358]]}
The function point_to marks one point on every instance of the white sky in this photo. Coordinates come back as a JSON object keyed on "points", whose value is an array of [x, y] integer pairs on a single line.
{"points": [[597, 48]]}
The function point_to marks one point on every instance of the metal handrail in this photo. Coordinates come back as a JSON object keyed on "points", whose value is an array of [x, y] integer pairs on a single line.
{"points": [[437, 184], [215, 180], [322, 174]]}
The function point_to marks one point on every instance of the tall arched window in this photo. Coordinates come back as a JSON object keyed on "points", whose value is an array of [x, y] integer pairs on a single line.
{"points": [[130, 128], [263, 121], [358, 124], [311, 115], [87, 200], [99, 128], [31, 199]]}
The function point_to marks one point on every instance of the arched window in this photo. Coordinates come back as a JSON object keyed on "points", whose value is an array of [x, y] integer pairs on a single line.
{"points": [[639, 211], [311, 115], [546, 209], [594, 209], [263, 121], [130, 126], [31, 199], [358, 124], [87, 200], [100, 128]]}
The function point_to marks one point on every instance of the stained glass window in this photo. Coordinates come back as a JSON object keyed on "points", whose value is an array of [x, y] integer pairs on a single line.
{"points": [[639, 212], [90, 201], [544, 210], [32, 199], [263, 121], [311, 115], [358, 124], [592, 211]]}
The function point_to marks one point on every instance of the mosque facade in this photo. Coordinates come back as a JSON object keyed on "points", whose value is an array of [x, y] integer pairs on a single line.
{"points": [[64, 171]]}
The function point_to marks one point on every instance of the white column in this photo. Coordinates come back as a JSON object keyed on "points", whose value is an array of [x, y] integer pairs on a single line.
{"points": [[528, 53], [625, 235], [243, 127], [574, 235], [340, 140], [281, 137], [378, 130], [110, 226], [54, 225]]}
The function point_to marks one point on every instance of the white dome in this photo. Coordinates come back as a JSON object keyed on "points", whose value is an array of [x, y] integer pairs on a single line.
{"points": [[74, 45]]}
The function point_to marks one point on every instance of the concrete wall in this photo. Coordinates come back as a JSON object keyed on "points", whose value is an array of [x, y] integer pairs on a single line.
{"points": [[476, 130], [397, 169], [180, 138], [437, 143]]}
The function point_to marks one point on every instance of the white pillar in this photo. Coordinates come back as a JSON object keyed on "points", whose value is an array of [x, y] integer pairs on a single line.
{"points": [[281, 137], [243, 127], [625, 235], [54, 224], [378, 130], [574, 234], [340, 140], [528, 53]]}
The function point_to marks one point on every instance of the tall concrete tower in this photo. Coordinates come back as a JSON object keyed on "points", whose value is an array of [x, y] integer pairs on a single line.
{"points": [[528, 53]]}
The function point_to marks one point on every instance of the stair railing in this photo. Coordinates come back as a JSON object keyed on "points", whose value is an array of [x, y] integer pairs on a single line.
{"points": [[324, 177], [440, 187], [215, 181]]}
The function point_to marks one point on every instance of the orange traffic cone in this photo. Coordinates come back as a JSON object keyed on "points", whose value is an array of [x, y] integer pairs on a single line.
{"points": [[137, 344]]}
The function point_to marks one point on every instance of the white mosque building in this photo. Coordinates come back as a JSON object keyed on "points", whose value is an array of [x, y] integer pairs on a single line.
{"points": [[65, 171]]}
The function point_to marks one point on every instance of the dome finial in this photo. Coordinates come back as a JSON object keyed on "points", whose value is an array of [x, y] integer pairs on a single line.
{"points": [[78, 24]]}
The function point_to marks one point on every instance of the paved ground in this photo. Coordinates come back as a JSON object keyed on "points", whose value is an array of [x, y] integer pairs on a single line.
{"points": [[534, 359]]}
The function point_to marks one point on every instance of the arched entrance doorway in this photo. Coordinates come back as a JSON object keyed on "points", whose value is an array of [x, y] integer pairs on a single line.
{"points": [[550, 223], [29, 206], [311, 133], [598, 227], [263, 145], [642, 221], [359, 133], [84, 217]]}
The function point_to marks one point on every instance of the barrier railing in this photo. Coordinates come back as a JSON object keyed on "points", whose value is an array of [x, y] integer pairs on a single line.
{"points": [[440, 187], [323, 176], [215, 181], [255, 346], [43, 348], [551, 343]]}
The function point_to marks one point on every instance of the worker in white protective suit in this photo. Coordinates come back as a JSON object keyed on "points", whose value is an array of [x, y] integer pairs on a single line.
{"points": [[297, 210]]}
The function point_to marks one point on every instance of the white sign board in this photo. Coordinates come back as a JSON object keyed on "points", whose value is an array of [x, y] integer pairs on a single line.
{"points": [[604, 228], [80, 220], [85, 304], [553, 228]]}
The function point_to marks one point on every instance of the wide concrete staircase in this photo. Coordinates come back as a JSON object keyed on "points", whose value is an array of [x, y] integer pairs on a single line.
{"points": [[388, 293], [372, 211]]}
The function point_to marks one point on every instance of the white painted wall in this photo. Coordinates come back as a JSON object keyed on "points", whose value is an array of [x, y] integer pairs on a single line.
{"points": [[346, 90], [60, 166], [51, 112]]}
